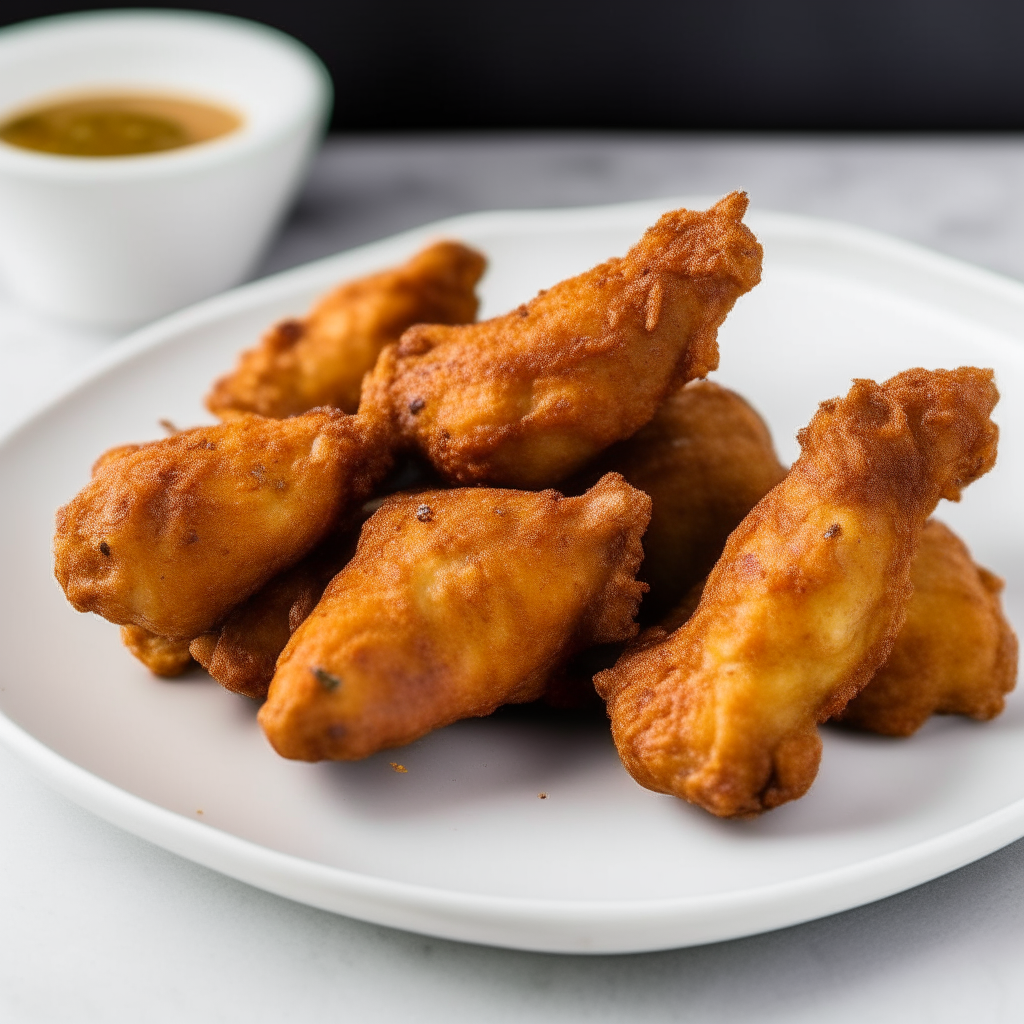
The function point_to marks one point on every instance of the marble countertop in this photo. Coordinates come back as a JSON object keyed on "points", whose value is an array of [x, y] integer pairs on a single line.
{"points": [[96, 925]]}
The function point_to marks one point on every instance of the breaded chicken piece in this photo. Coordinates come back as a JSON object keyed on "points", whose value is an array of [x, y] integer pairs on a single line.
{"points": [[456, 602], [527, 398], [956, 653], [174, 534], [706, 459], [242, 652], [162, 657], [322, 359], [806, 601]]}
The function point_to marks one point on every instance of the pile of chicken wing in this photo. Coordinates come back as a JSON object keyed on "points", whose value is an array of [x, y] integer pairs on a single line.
{"points": [[406, 518]]}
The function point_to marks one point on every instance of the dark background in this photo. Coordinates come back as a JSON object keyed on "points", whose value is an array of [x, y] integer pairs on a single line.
{"points": [[648, 64]]}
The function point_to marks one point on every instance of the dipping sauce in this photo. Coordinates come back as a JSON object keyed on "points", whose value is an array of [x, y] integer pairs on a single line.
{"points": [[117, 124]]}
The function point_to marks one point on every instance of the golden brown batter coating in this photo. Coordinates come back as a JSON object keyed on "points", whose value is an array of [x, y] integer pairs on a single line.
{"points": [[527, 398], [162, 657], [806, 601], [956, 653], [172, 535], [456, 602], [242, 653], [322, 359], [706, 459]]}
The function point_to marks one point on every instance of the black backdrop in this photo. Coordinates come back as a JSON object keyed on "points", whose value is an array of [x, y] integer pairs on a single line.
{"points": [[740, 64]]}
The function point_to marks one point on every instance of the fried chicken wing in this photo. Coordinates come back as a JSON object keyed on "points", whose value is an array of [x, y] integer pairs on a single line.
{"points": [[174, 534], [456, 602], [321, 359], [527, 398], [806, 601], [706, 459], [162, 657], [242, 652], [956, 653]]}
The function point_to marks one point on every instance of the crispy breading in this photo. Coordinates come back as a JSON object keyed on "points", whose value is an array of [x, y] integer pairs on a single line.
{"points": [[174, 534], [322, 358], [162, 657], [706, 459], [956, 653], [525, 399], [456, 602], [806, 601], [114, 454], [242, 652]]}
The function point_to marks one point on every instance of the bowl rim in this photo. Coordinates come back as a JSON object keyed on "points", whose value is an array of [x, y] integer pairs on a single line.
{"points": [[238, 145]]}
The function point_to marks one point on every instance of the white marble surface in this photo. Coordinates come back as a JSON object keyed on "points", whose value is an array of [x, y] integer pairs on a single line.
{"points": [[96, 925]]}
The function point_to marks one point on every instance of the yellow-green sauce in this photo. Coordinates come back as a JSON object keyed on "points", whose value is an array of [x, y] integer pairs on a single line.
{"points": [[117, 124]]}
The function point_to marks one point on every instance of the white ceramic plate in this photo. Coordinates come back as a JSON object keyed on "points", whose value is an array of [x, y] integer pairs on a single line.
{"points": [[460, 846]]}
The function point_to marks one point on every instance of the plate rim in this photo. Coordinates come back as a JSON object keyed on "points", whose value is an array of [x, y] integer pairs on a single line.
{"points": [[525, 923]]}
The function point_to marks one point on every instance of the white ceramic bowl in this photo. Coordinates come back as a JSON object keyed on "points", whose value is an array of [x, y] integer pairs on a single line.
{"points": [[116, 241]]}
